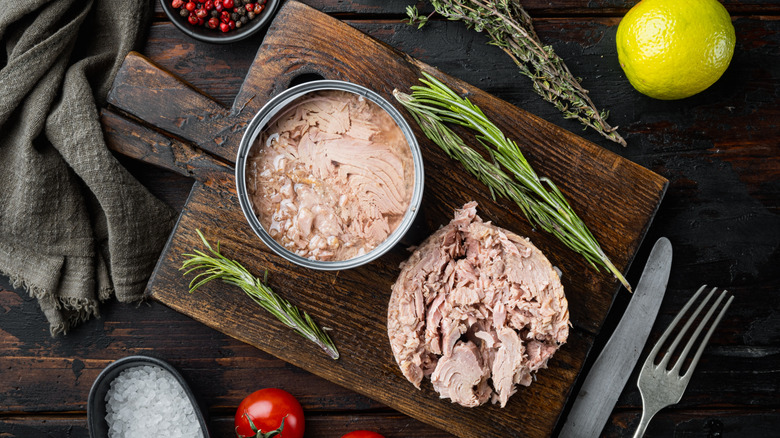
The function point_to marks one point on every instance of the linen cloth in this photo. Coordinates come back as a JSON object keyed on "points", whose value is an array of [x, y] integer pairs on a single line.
{"points": [[75, 227]]}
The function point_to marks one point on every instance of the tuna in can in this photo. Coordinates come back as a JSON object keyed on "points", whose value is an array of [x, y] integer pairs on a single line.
{"points": [[329, 175]]}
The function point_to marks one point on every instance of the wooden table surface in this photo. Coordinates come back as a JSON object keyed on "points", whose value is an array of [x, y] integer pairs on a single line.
{"points": [[720, 151]]}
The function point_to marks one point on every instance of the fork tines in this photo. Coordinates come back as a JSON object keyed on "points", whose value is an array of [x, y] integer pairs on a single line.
{"points": [[660, 388], [667, 357]]}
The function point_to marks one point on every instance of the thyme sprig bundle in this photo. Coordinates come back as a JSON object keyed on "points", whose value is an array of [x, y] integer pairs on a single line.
{"points": [[509, 27], [218, 267], [539, 199]]}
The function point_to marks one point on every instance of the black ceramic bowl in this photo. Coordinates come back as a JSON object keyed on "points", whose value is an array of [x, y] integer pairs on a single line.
{"points": [[216, 36], [96, 404]]}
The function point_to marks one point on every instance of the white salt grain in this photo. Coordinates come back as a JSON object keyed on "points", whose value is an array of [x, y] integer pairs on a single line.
{"points": [[147, 402]]}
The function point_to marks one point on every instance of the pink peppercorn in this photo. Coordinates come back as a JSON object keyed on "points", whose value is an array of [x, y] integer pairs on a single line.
{"points": [[225, 14]]}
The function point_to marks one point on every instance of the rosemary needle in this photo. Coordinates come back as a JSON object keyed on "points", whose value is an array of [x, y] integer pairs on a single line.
{"points": [[217, 266], [539, 199]]}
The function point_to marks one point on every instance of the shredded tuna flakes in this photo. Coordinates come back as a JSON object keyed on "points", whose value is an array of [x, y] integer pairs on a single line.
{"points": [[332, 176], [478, 309]]}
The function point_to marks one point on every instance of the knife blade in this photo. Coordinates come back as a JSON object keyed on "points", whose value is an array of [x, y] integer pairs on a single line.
{"points": [[613, 367]]}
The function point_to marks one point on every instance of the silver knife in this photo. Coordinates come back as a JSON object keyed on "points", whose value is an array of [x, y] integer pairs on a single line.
{"points": [[613, 367]]}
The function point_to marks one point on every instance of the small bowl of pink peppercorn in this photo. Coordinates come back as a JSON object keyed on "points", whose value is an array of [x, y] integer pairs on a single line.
{"points": [[220, 21]]}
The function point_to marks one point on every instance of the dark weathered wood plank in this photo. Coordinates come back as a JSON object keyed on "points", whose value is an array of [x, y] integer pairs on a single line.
{"points": [[338, 424], [317, 426], [702, 423], [534, 7], [671, 422], [169, 187], [719, 151], [743, 358], [740, 368], [45, 374], [216, 70], [134, 140], [653, 128], [166, 102]]}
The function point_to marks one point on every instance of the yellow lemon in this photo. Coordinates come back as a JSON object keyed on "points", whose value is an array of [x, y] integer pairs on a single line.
{"points": [[672, 49]]}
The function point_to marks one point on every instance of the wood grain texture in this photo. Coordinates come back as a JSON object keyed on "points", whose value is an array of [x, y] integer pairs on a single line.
{"points": [[141, 89], [354, 302], [741, 423], [329, 426], [719, 143], [574, 167], [722, 213], [134, 140], [738, 372], [44, 374], [534, 7], [353, 305]]}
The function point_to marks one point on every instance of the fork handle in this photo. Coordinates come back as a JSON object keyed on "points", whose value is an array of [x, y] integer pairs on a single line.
{"points": [[647, 415]]}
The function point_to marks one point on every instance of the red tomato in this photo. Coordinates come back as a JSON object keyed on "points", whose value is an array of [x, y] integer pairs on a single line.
{"points": [[362, 434], [265, 409]]}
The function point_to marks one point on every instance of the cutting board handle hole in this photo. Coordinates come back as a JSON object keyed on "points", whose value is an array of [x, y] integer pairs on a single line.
{"points": [[305, 77]]}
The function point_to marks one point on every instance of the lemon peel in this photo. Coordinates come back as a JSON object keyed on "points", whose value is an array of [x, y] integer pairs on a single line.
{"points": [[670, 49]]}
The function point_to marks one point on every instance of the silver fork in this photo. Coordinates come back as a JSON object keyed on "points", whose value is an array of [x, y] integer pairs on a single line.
{"points": [[661, 387]]}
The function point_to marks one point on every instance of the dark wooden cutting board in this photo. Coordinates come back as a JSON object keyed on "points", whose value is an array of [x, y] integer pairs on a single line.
{"points": [[158, 118]]}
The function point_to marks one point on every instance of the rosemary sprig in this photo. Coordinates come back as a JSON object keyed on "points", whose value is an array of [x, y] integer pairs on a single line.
{"points": [[538, 198], [509, 27], [217, 266]]}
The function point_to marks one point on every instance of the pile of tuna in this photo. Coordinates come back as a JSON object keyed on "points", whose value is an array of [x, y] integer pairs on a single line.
{"points": [[478, 309]]}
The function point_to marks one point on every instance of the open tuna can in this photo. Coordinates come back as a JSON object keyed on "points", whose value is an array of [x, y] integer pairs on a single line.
{"points": [[329, 175]]}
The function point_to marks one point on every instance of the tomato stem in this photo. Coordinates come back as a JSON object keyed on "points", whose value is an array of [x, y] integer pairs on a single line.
{"points": [[259, 433]]}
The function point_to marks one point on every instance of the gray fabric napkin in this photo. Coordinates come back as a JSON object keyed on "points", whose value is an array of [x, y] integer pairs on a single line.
{"points": [[75, 227]]}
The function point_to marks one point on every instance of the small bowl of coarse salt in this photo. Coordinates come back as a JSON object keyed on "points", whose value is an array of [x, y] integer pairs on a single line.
{"points": [[141, 396]]}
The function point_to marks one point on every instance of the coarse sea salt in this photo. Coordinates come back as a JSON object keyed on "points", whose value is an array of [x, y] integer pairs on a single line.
{"points": [[146, 402]]}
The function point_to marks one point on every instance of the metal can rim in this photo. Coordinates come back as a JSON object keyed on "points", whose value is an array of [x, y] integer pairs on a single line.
{"points": [[253, 130]]}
